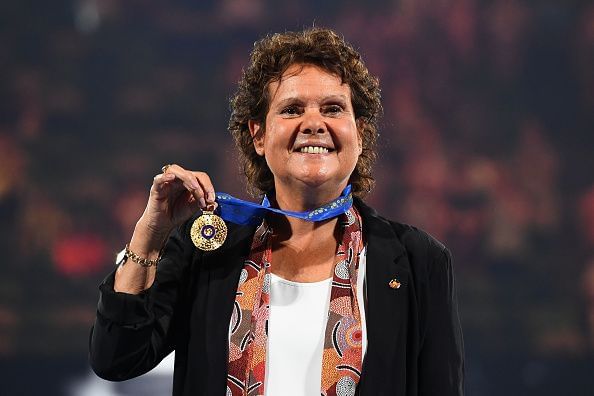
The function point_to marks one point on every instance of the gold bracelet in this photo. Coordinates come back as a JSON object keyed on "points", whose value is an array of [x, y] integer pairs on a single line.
{"points": [[144, 262]]}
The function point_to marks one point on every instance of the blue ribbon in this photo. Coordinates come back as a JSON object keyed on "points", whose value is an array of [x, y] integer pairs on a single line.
{"points": [[243, 212]]}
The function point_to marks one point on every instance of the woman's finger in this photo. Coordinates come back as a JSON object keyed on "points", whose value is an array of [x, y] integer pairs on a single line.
{"points": [[185, 176], [160, 180], [206, 185], [189, 181], [166, 185]]}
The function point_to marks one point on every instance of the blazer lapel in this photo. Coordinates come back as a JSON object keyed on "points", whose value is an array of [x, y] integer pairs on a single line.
{"points": [[388, 307], [222, 269]]}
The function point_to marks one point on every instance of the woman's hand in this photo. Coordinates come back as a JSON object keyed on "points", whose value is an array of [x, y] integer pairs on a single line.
{"points": [[175, 196]]}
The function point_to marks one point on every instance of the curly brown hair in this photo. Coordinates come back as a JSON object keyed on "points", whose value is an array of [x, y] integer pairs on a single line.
{"points": [[270, 58]]}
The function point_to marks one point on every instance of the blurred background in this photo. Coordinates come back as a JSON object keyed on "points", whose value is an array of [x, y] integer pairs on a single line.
{"points": [[487, 142]]}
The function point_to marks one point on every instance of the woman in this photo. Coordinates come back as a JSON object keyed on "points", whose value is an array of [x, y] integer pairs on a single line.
{"points": [[349, 303]]}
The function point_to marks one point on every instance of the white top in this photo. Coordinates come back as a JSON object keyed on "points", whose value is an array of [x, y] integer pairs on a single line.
{"points": [[296, 330]]}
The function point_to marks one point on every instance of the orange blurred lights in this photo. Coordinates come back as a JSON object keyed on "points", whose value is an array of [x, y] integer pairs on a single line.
{"points": [[80, 255]]}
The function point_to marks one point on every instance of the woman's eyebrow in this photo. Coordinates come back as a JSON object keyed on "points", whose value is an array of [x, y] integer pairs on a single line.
{"points": [[289, 100], [330, 98], [298, 100]]}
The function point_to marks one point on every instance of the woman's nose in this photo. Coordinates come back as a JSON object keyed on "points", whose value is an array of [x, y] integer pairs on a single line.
{"points": [[313, 122]]}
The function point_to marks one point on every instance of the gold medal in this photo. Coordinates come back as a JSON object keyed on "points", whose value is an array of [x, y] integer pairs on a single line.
{"points": [[208, 231]]}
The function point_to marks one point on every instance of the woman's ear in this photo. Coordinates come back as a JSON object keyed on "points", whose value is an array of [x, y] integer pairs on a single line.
{"points": [[360, 128], [257, 132]]}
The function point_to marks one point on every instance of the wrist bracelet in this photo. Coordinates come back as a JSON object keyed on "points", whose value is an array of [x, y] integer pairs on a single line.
{"points": [[144, 262]]}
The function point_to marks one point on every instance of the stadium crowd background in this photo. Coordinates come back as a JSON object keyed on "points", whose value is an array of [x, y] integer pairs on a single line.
{"points": [[487, 142]]}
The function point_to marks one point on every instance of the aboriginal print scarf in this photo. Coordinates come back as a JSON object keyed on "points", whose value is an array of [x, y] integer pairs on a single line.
{"points": [[341, 361]]}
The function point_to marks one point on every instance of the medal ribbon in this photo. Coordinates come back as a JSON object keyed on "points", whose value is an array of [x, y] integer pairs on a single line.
{"points": [[243, 212]]}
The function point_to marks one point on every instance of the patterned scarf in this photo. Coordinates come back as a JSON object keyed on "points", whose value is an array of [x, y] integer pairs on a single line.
{"points": [[341, 361]]}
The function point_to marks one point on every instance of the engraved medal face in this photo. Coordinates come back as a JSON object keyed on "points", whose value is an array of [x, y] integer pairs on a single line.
{"points": [[208, 231]]}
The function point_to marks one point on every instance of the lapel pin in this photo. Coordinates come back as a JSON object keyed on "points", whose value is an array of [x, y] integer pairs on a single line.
{"points": [[394, 284]]}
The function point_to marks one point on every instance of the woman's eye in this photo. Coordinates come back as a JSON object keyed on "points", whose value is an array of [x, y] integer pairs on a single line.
{"points": [[290, 110], [333, 109]]}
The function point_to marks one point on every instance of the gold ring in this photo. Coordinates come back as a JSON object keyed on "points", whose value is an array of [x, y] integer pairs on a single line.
{"points": [[165, 167]]}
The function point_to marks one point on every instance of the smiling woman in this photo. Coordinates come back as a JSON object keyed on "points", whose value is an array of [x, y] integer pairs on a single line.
{"points": [[270, 62], [312, 292], [311, 138]]}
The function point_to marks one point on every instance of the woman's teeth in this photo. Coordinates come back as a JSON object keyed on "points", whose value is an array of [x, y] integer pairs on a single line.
{"points": [[314, 150]]}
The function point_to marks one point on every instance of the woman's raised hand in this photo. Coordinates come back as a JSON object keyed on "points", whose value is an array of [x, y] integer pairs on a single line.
{"points": [[176, 194]]}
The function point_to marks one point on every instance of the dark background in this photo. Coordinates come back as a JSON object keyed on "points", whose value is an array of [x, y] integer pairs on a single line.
{"points": [[487, 142]]}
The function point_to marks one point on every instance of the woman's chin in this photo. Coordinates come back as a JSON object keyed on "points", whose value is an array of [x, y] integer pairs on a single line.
{"points": [[313, 179], [321, 183]]}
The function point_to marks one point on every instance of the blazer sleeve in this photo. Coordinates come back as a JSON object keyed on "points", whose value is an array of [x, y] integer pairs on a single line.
{"points": [[133, 333], [441, 360]]}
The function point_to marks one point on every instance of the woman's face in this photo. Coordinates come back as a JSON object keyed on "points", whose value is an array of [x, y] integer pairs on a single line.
{"points": [[310, 136]]}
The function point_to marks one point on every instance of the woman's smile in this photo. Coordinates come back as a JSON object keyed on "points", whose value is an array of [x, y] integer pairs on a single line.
{"points": [[314, 150]]}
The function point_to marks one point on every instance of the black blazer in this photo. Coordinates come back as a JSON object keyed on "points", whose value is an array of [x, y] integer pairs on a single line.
{"points": [[414, 338]]}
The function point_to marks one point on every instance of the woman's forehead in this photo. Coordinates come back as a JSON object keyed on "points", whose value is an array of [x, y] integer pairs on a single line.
{"points": [[308, 80]]}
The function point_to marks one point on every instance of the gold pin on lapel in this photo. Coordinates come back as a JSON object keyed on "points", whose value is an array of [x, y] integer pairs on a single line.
{"points": [[394, 284]]}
